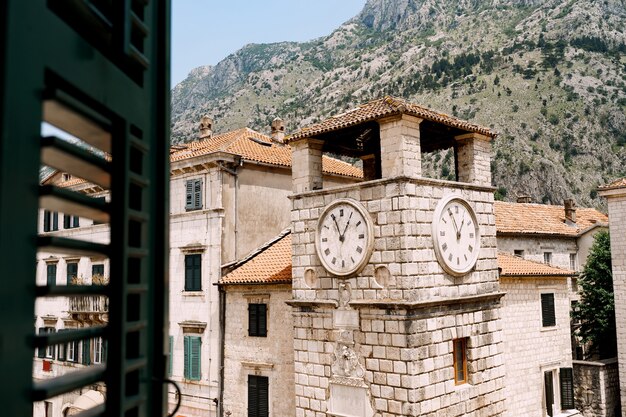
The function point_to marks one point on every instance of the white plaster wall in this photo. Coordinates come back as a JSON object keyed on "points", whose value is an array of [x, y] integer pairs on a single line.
{"points": [[530, 348]]}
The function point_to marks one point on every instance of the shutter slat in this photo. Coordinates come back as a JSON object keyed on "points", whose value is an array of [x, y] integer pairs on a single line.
{"points": [[566, 378]]}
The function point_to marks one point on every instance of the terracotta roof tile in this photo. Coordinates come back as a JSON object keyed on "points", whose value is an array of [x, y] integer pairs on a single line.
{"points": [[620, 183], [255, 146], [383, 107], [511, 265], [542, 219], [270, 264]]}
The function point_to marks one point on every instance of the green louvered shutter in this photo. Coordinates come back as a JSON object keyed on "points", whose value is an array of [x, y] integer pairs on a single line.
{"points": [[171, 357], [187, 357], [86, 359], [51, 272], [258, 400], [41, 352], [189, 195], [46, 221], [195, 352], [566, 377], [55, 221]]}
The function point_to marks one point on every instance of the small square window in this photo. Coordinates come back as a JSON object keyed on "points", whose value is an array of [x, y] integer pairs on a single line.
{"points": [[547, 258], [460, 361], [519, 252]]}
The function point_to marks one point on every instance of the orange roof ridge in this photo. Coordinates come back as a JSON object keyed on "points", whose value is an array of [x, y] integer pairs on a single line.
{"points": [[618, 183], [512, 265]]}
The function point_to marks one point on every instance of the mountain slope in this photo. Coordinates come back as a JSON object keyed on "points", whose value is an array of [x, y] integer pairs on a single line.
{"points": [[550, 76]]}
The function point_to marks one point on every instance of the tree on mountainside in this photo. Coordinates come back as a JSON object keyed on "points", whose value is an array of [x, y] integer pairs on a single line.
{"points": [[596, 310]]}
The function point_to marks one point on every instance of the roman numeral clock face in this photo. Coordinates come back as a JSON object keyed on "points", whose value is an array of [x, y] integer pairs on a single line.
{"points": [[456, 235], [344, 237]]}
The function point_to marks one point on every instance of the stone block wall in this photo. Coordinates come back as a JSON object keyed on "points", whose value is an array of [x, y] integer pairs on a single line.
{"points": [[596, 388], [474, 158], [270, 356], [530, 348], [399, 347], [400, 149]]}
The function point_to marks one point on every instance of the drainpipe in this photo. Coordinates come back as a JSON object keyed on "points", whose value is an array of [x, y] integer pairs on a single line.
{"points": [[220, 410], [234, 173]]}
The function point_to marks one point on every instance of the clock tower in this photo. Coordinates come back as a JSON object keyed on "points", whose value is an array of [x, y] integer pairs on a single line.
{"points": [[396, 300]]}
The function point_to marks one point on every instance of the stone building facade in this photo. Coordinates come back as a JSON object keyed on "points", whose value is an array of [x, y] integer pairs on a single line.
{"points": [[537, 338], [615, 193], [401, 337], [258, 332]]}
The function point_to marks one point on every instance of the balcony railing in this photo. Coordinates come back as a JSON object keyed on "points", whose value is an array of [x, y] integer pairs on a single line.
{"points": [[89, 308]]}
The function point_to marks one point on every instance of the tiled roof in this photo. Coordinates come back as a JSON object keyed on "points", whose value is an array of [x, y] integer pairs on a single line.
{"points": [[615, 184], [255, 146], [270, 264], [511, 265], [542, 219], [384, 107]]}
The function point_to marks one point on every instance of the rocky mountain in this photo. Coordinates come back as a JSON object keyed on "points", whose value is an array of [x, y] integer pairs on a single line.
{"points": [[549, 75]]}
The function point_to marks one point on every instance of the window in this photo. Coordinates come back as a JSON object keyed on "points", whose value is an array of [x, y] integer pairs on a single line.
{"points": [[257, 320], [192, 357], [193, 276], [48, 351], [51, 274], [193, 199], [46, 221], [459, 351], [55, 221], [61, 349], [72, 272], [97, 269], [72, 351], [258, 404], [69, 222], [548, 315], [572, 262], [519, 252], [50, 221], [547, 258], [98, 351]]}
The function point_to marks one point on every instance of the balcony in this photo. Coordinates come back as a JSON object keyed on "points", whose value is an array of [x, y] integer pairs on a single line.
{"points": [[89, 308]]}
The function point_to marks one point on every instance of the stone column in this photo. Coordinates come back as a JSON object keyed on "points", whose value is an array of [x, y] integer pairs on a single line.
{"points": [[400, 150], [616, 198], [369, 167], [474, 158], [306, 165]]}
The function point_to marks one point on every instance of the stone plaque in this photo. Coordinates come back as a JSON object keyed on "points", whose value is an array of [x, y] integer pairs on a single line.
{"points": [[346, 319], [349, 401]]}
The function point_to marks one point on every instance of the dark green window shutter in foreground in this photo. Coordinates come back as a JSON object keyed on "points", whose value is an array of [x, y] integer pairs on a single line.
{"points": [[566, 377]]}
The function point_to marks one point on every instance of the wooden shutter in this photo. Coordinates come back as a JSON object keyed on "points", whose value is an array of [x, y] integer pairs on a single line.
{"points": [[189, 195], [41, 352], [46, 221], [566, 378], [262, 320], [549, 392], [75, 221], [196, 272], [66, 221], [51, 274], [197, 194], [171, 356], [548, 315], [72, 271], [61, 351], [86, 360], [195, 358], [187, 358], [252, 320], [55, 221], [258, 400]]}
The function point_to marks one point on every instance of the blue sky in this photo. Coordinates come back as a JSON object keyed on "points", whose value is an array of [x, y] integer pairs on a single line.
{"points": [[206, 31]]}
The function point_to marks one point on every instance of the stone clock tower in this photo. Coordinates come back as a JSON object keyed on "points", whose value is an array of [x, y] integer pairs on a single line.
{"points": [[396, 300]]}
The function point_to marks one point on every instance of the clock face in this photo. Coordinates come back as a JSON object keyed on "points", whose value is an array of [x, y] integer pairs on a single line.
{"points": [[456, 235], [344, 237]]}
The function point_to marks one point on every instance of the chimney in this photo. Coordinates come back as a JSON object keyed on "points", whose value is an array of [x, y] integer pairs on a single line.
{"points": [[278, 130], [570, 210], [206, 127], [524, 199]]}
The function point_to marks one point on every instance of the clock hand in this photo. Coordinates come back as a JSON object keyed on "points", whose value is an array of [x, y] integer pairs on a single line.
{"points": [[456, 228], [337, 226], [458, 234], [347, 224]]}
